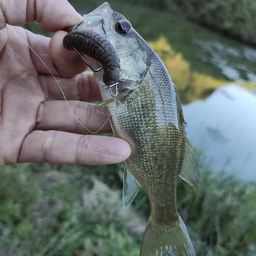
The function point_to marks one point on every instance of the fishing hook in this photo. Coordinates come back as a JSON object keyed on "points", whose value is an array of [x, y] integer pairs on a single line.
{"points": [[87, 62], [108, 88]]}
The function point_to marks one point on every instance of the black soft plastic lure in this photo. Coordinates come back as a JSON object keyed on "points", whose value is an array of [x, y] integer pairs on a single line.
{"points": [[97, 47]]}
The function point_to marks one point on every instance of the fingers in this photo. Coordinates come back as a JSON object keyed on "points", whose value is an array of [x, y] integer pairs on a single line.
{"points": [[67, 62], [51, 55], [72, 116], [50, 15], [55, 15], [81, 87], [62, 147]]}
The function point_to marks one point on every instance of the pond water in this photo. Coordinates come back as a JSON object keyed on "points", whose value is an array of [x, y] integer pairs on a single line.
{"points": [[236, 63], [224, 127]]}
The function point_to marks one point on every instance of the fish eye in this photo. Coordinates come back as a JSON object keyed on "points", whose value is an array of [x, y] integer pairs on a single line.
{"points": [[123, 27]]}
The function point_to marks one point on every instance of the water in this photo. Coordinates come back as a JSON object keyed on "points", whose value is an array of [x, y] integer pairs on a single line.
{"points": [[236, 63], [223, 126]]}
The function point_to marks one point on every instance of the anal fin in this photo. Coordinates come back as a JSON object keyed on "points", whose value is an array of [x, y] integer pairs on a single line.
{"points": [[131, 187], [189, 169]]}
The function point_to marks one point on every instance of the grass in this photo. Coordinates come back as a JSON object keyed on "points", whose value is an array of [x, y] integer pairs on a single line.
{"points": [[44, 211], [69, 210]]}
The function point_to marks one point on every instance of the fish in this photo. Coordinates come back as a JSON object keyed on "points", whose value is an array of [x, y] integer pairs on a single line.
{"points": [[145, 110]]}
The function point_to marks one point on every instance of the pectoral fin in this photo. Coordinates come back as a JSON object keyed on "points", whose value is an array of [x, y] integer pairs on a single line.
{"points": [[189, 169], [105, 103], [130, 188], [118, 98]]}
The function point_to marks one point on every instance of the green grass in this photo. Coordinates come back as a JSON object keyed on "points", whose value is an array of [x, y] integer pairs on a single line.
{"points": [[69, 210], [44, 212]]}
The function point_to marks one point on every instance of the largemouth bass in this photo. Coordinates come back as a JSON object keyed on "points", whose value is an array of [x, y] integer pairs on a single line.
{"points": [[145, 110]]}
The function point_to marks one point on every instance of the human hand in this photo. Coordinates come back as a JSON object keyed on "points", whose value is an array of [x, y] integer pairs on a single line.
{"points": [[36, 124]]}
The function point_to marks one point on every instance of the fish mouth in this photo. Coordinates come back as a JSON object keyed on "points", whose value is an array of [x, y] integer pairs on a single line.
{"points": [[105, 7], [97, 20]]}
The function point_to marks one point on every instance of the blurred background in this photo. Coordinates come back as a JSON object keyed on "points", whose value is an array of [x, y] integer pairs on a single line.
{"points": [[209, 49]]}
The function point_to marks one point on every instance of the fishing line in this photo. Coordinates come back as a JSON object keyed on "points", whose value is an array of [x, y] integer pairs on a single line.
{"points": [[62, 92]]}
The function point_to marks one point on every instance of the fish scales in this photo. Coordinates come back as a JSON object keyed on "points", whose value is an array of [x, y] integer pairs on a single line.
{"points": [[146, 111], [154, 147]]}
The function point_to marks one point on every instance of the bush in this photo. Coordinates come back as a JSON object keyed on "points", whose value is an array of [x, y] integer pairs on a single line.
{"points": [[234, 17]]}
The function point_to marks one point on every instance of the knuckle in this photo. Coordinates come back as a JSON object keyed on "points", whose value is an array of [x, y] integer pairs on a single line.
{"points": [[82, 152], [84, 114], [47, 147]]}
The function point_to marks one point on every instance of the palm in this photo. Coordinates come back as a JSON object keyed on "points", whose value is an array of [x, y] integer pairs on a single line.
{"points": [[36, 124], [32, 110], [21, 95]]}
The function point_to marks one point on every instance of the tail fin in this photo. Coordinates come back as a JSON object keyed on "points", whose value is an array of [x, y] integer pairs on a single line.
{"points": [[170, 240]]}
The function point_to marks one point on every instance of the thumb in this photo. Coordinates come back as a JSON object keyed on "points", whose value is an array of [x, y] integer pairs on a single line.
{"points": [[50, 15]]}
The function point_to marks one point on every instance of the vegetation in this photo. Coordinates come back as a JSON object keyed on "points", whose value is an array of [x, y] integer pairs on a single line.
{"points": [[77, 210], [233, 17], [221, 215], [61, 210]]}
